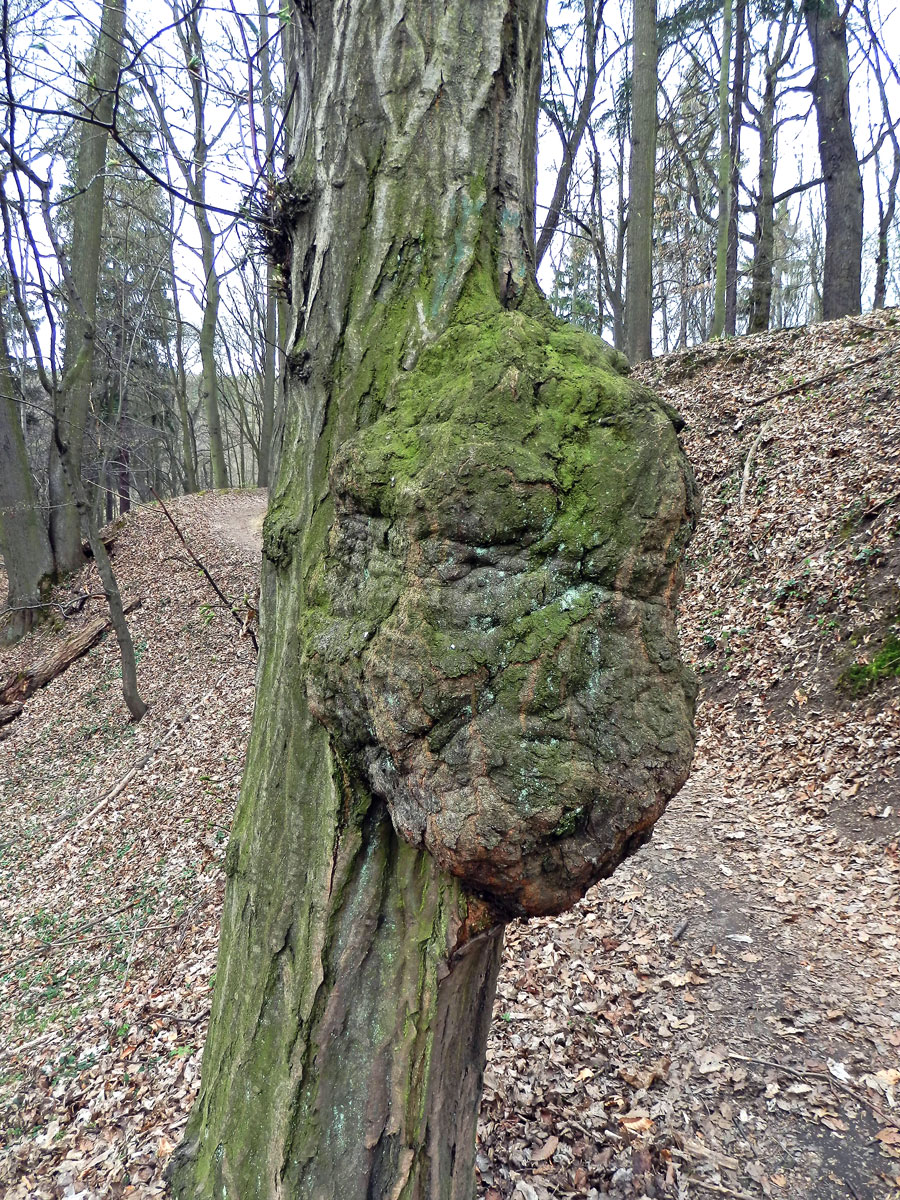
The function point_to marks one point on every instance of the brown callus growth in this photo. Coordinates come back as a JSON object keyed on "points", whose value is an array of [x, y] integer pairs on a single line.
{"points": [[491, 639]]}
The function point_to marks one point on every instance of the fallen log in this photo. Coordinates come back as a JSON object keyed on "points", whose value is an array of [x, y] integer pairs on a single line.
{"points": [[9, 712], [23, 684]]}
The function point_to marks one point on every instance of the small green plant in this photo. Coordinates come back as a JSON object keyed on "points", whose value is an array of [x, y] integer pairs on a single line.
{"points": [[861, 676]]}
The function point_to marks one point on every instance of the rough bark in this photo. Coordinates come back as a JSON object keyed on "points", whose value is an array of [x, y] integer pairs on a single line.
{"points": [[641, 184], [24, 542], [842, 274], [442, 431], [760, 305], [87, 228]]}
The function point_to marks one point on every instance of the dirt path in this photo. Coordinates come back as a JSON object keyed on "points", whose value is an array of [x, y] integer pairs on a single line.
{"points": [[721, 1017], [238, 517]]}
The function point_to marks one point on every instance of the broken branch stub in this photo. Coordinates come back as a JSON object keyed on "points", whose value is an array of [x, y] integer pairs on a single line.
{"points": [[491, 633]]}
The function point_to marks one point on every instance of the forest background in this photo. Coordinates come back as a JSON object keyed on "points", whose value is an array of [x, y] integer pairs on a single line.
{"points": [[706, 169]]}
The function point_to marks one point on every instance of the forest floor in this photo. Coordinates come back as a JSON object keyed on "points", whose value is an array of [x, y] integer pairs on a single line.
{"points": [[722, 1018]]}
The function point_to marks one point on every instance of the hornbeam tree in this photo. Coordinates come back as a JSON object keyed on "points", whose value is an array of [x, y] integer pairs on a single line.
{"points": [[470, 701]]}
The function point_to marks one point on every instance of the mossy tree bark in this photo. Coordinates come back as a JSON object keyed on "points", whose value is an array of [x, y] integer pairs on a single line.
{"points": [[476, 519]]}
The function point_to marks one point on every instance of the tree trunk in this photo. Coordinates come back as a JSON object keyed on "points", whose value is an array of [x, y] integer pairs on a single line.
{"points": [[887, 208], [724, 181], [178, 370], [842, 276], [24, 542], [762, 271], [87, 228], [270, 332], [357, 967], [209, 378], [123, 479], [764, 233], [641, 184], [737, 121]]}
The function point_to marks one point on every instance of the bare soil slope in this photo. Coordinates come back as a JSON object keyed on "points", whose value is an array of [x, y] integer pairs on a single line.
{"points": [[720, 1019]]}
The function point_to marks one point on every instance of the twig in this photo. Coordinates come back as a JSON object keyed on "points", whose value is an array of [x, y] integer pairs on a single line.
{"points": [[718, 1188], [68, 608], [11, 1048], [126, 779], [819, 1076], [826, 378], [748, 464], [75, 937], [212, 583], [680, 931]]}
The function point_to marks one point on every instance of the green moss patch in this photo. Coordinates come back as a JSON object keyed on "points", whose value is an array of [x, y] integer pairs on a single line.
{"points": [[885, 664]]}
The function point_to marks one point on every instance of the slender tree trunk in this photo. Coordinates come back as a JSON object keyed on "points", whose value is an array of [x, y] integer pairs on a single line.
{"points": [[572, 138], [123, 479], [178, 370], [24, 542], [641, 185], [209, 377], [764, 234], [887, 203], [87, 228], [886, 211], [130, 693], [724, 188], [737, 121], [761, 276], [270, 331], [193, 170], [356, 972], [842, 275]]}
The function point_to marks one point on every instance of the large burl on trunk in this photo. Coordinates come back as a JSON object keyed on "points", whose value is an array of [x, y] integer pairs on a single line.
{"points": [[490, 634], [470, 703]]}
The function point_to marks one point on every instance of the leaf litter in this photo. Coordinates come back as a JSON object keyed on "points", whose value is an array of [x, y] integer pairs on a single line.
{"points": [[722, 1018]]}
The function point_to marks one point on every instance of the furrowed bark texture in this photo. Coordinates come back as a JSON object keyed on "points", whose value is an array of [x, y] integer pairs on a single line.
{"points": [[445, 448], [842, 282]]}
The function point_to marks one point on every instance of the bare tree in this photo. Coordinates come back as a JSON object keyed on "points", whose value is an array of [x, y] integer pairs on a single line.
{"points": [[641, 184], [97, 109], [842, 280]]}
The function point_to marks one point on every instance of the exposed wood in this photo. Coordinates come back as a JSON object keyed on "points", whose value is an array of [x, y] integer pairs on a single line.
{"points": [[25, 683]]}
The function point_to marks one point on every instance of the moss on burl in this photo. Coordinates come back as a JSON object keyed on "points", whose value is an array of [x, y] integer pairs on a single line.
{"points": [[490, 635]]}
